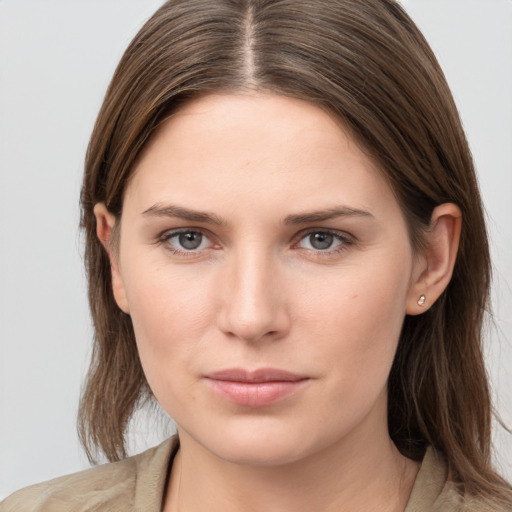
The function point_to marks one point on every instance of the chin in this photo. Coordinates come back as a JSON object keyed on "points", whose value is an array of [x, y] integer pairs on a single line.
{"points": [[264, 445], [262, 454]]}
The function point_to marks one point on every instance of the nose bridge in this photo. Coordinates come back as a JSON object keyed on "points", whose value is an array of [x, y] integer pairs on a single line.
{"points": [[253, 308]]}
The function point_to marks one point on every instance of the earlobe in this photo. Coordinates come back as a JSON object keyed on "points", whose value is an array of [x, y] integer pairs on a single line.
{"points": [[440, 254], [105, 229]]}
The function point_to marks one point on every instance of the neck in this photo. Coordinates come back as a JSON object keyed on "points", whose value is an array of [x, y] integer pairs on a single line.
{"points": [[361, 474]]}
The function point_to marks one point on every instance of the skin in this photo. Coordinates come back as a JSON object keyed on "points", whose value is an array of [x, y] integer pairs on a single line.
{"points": [[259, 292]]}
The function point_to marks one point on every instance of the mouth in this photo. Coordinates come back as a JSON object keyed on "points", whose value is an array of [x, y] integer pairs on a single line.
{"points": [[258, 388]]}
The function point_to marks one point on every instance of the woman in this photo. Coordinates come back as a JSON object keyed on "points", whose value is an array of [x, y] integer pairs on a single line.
{"points": [[281, 213]]}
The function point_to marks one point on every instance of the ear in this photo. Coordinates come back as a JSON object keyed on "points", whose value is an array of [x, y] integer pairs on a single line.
{"points": [[434, 267], [105, 222]]}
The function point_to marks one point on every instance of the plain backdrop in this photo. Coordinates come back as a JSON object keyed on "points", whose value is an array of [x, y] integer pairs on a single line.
{"points": [[56, 59]]}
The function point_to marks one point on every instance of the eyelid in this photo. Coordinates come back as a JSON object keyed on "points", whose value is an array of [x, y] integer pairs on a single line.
{"points": [[346, 240], [165, 236], [343, 235]]}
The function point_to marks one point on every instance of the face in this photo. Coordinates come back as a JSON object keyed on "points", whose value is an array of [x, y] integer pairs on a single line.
{"points": [[266, 266]]}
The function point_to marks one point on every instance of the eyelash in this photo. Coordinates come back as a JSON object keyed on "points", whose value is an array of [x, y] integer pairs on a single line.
{"points": [[168, 235], [345, 241]]}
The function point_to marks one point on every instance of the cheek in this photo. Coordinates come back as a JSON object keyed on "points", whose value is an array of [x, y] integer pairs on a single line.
{"points": [[357, 317], [171, 312]]}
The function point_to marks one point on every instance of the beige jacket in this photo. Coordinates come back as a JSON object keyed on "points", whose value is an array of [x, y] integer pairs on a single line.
{"points": [[137, 484]]}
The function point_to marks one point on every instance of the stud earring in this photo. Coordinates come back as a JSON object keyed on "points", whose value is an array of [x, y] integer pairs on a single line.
{"points": [[421, 300]]}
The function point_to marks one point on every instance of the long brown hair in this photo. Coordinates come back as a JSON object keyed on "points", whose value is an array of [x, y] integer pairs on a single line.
{"points": [[367, 63]]}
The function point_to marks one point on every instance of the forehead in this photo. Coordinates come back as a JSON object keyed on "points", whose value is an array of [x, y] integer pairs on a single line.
{"points": [[260, 148]]}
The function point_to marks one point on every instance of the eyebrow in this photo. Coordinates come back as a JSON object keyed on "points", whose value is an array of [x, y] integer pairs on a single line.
{"points": [[322, 215], [169, 210]]}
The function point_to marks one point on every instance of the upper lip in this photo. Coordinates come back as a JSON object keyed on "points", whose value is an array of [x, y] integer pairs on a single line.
{"points": [[254, 376]]}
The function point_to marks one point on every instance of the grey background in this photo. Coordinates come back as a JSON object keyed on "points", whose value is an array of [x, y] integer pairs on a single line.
{"points": [[56, 59]]}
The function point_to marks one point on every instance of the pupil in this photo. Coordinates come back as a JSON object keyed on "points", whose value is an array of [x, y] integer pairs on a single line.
{"points": [[190, 240], [321, 240]]}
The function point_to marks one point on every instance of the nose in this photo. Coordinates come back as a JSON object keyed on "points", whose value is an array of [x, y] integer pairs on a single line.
{"points": [[254, 299]]}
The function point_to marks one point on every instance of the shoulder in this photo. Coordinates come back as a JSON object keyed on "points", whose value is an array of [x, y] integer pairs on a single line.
{"points": [[109, 487], [435, 491], [80, 491]]}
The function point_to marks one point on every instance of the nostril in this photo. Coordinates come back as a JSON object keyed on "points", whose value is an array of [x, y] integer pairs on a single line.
{"points": [[272, 327]]}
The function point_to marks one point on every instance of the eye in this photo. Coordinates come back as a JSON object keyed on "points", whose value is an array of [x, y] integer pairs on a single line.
{"points": [[186, 240], [323, 241]]}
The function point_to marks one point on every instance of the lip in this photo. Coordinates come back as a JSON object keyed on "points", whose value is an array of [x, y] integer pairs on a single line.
{"points": [[255, 388]]}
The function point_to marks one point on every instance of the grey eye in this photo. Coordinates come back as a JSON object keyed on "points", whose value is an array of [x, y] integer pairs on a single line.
{"points": [[321, 241], [190, 240], [183, 241]]}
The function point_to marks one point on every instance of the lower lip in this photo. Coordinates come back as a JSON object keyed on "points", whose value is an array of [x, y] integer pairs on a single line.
{"points": [[255, 394]]}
